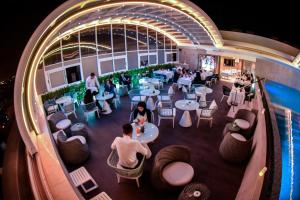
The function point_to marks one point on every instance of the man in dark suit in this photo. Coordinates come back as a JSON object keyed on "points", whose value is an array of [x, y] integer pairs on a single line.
{"points": [[125, 80]]}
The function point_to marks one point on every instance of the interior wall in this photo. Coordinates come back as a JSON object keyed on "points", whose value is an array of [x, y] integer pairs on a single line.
{"points": [[238, 66], [41, 87], [252, 183], [190, 56], [278, 72], [89, 65]]}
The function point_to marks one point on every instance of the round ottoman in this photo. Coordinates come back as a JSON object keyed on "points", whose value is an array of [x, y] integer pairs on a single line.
{"points": [[178, 173], [194, 191], [243, 124], [63, 124], [79, 129]]}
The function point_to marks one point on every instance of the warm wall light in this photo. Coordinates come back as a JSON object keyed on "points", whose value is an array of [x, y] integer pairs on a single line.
{"points": [[263, 171]]}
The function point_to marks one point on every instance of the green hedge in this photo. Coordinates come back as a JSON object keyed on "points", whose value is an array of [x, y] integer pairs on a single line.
{"points": [[80, 88]]}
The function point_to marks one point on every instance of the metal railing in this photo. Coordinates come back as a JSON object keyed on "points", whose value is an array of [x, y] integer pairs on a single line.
{"points": [[272, 179]]}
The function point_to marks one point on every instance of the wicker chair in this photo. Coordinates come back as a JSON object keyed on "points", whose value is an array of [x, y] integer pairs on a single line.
{"points": [[135, 97], [112, 161], [50, 106], [89, 108], [69, 109], [54, 118], [251, 118], [166, 156], [235, 148], [73, 150], [245, 115], [206, 113]]}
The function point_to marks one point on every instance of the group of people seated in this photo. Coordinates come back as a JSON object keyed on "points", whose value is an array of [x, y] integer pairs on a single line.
{"points": [[197, 75], [92, 89]]}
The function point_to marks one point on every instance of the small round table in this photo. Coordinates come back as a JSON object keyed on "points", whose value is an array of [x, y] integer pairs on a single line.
{"points": [[63, 124], [233, 127], [186, 105], [103, 99], [150, 93], [202, 91], [149, 135], [192, 191], [79, 129], [62, 100]]}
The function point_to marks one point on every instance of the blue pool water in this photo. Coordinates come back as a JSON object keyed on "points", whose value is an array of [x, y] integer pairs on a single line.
{"points": [[289, 130]]}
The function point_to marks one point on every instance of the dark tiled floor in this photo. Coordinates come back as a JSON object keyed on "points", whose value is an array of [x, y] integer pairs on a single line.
{"points": [[222, 178]]}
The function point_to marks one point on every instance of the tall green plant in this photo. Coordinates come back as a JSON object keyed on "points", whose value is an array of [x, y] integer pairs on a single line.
{"points": [[135, 74]]}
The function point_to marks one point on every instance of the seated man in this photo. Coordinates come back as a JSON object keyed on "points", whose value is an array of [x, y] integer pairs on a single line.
{"points": [[125, 80], [129, 150], [92, 84]]}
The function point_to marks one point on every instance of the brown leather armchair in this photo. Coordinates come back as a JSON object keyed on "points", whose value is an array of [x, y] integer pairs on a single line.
{"points": [[166, 156], [73, 150]]}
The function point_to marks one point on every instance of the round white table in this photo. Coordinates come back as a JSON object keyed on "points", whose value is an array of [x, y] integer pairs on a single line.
{"points": [[149, 81], [186, 105], [63, 124], [150, 93], [62, 100], [105, 105], [149, 135], [201, 92]]}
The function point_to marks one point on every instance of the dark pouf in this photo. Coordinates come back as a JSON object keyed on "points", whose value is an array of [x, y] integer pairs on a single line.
{"points": [[79, 129], [189, 190]]}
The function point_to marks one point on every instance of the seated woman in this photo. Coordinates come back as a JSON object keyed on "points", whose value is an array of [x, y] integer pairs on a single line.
{"points": [[142, 113], [89, 98], [197, 79], [110, 88]]}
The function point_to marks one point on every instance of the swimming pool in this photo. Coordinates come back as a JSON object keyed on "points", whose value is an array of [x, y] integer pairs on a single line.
{"points": [[289, 130]]}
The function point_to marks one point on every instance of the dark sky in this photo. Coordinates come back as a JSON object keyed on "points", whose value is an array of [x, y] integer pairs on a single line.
{"points": [[278, 20]]}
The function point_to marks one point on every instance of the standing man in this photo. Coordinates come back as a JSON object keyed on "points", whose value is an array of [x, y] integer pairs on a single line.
{"points": [[92, 84]]}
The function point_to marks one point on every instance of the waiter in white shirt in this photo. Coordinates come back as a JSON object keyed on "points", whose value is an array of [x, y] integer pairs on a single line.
{"points": [[130, 151], [92, 83]]}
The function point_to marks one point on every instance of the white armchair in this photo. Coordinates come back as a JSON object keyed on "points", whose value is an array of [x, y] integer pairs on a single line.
{"points": [[166, 111], [207, 113]]}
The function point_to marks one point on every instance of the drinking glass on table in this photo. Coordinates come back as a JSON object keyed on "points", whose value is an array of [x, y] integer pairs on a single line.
{"points": [[138, 131]]}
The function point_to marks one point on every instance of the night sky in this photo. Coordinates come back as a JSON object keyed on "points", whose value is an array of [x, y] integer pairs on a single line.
{"points": [[277, 20]]}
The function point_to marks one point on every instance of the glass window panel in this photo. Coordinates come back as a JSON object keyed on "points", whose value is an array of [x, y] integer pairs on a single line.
{"points": [[131, 38], [174, 57], [118, 38], [143, 61], [106, 66], [120, 64], [152, 59], [142, 38], [53, 55], [104, 39], [152, 39], [88, 42], [70, 47], [160, 40], [167, 43], [132, 58], [73, 74], [169, 57], [57, 79], [161, 56]]}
